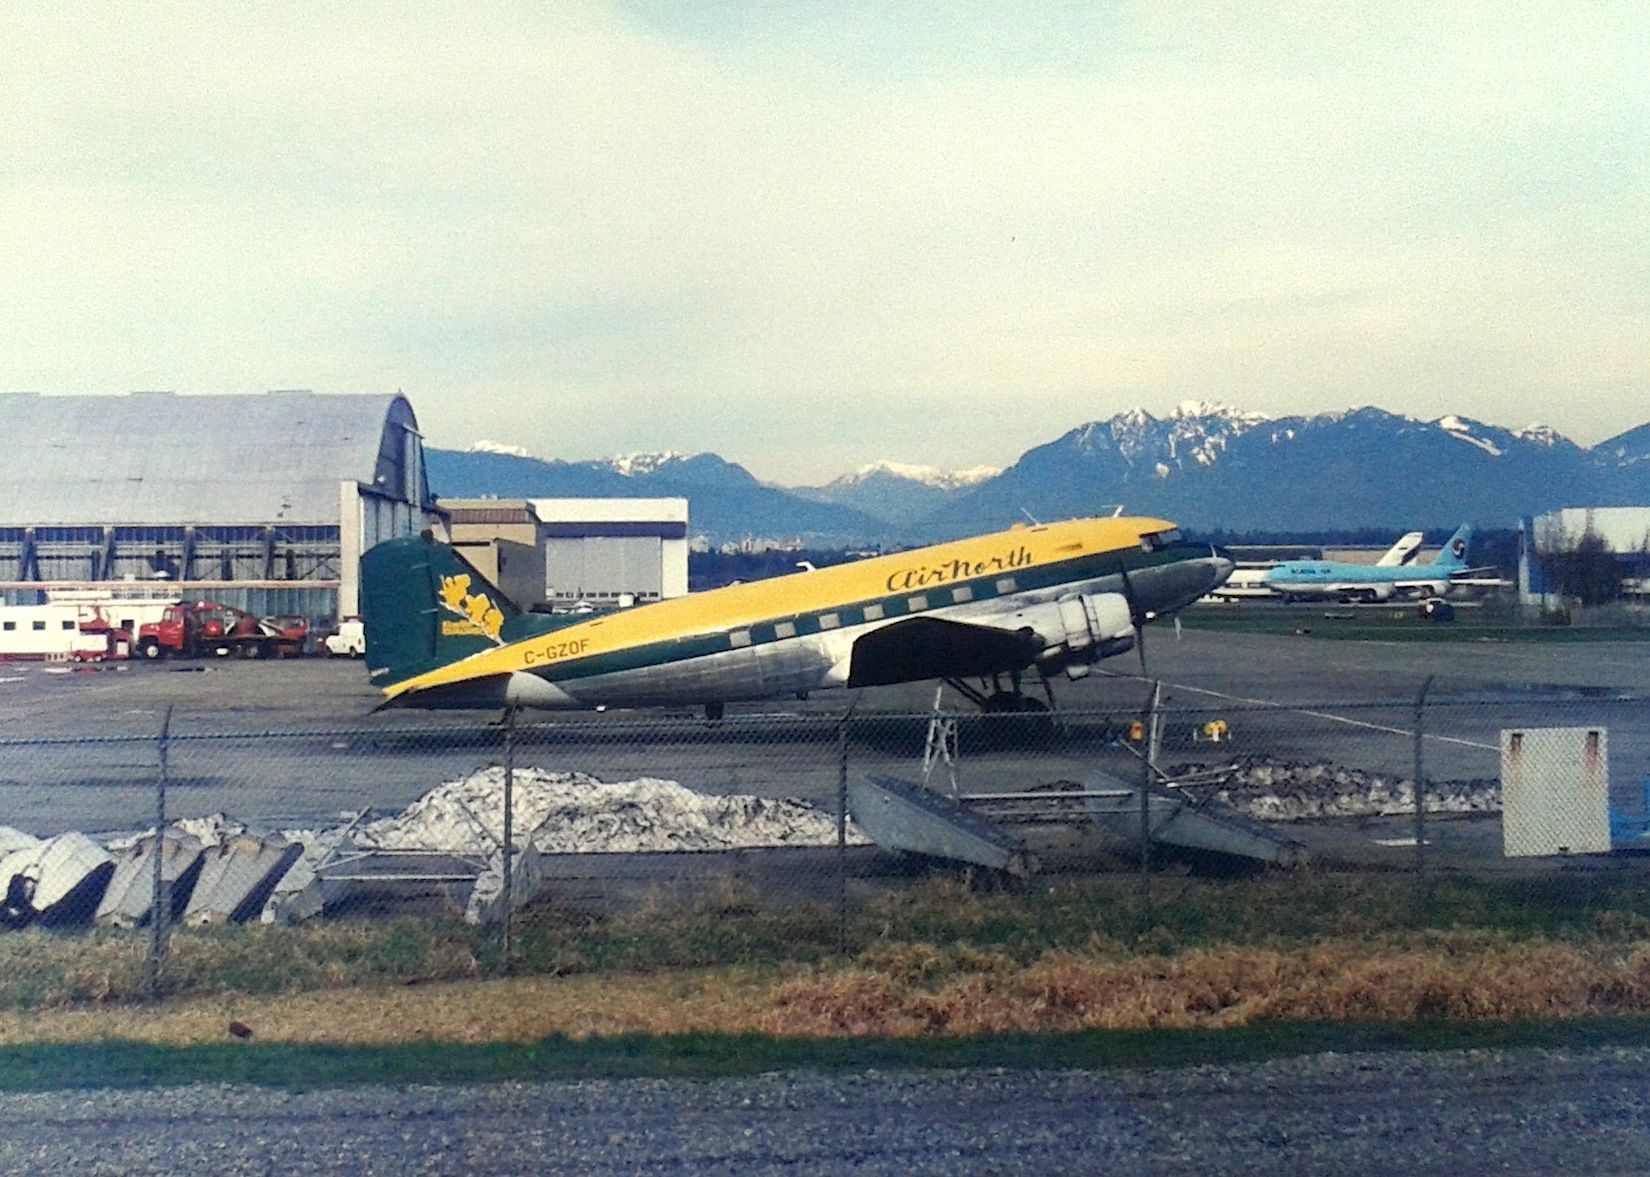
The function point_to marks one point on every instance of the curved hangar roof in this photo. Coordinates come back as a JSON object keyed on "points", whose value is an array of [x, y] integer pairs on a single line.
{"points": [[155, 458]]}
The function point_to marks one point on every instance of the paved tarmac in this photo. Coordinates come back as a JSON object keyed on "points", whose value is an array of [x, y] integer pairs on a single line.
{"points": [[1292, 698]]}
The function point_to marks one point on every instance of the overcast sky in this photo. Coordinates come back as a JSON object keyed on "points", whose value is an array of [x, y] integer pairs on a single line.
{"points": [[808, 236]]}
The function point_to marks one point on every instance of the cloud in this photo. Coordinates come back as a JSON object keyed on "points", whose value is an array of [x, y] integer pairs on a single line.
{"points": [[811, 238]]}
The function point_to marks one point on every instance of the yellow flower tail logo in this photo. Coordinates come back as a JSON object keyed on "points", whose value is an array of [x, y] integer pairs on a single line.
{"points": [[481, 616]]}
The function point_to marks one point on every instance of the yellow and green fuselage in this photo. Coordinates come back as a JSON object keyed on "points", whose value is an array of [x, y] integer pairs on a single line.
{"points": [[439, 635]]}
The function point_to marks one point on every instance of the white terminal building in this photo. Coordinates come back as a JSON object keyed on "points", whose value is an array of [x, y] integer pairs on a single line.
{"points": [[613, 551], [565, 552]]}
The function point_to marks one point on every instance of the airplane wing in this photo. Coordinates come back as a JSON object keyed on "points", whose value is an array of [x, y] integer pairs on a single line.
{"points": [[932, 647], [1464, 577]]}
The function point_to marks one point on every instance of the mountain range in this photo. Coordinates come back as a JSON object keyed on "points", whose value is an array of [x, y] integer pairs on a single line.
{"points": [[1209, 467]]}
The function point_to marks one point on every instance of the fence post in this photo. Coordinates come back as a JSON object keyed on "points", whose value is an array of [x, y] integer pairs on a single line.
{"points": [[842, 837], [1148, 742], [507, 889], [160, 908], [1419, 776]]}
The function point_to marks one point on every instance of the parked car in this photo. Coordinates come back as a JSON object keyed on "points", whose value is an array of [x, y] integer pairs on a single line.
{"points": [[349, 640]]}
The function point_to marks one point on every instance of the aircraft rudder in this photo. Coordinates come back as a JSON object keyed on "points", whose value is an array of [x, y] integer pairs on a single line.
{"points": [[424, 605], [1454, 552]]}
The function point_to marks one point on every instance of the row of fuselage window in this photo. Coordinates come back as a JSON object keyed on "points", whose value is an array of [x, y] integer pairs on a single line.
{"points": [[875, 611]]}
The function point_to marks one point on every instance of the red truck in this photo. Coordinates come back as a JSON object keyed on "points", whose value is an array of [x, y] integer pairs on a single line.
{"points": [[199, 628]]}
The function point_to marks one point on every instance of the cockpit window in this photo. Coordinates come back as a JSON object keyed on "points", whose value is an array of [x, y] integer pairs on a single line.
{"points": [[1158, 540]]}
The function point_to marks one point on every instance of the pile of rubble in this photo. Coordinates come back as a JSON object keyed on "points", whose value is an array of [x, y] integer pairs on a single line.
{"points": [[1277, 790], [217, 870], [574, 813]]}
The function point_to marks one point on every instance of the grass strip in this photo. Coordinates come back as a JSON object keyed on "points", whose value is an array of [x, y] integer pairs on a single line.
{"points": [[131, 1065], [1406, 628], [1099, 918]]}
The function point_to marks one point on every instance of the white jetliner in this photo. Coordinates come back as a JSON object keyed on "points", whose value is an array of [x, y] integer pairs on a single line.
{"points": [[1404, 551]]}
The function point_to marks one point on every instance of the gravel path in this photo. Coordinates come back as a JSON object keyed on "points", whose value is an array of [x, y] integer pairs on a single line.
{"points": [[1447, 1113]]}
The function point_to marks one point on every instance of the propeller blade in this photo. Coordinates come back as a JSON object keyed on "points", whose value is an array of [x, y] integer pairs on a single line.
{"points": [[1136, 617]]}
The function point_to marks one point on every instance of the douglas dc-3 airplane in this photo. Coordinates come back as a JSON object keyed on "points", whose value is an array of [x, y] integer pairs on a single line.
{"points": [[1055, 597]]}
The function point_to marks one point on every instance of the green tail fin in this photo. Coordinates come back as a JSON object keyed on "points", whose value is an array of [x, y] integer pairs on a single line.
{"points": [[424, 605]]}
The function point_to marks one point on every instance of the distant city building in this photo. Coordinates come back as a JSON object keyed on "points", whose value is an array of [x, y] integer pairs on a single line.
{"points": [[264, 502]]}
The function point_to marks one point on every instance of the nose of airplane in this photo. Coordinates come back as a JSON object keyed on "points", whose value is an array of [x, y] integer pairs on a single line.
{"points": [[1221, 565]]}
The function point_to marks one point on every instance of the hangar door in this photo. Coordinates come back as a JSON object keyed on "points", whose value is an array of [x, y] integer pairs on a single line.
{"points": [[602, 568]]}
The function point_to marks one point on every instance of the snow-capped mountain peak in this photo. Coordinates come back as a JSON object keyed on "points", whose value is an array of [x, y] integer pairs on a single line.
{"points": [[498, 447], [637, 465], [1195, 432], [926, 475], [1199, 410], [1468, 431], [1539, 434]]}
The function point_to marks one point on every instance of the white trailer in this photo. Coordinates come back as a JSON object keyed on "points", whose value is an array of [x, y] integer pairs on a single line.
{"points": [[47, 632], [76, 625]]}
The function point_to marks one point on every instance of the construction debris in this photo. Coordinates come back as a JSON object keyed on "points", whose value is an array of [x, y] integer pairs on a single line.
{"points": [[129, 899], [574, 813], [449, 842], [237, 877], [53, 882], [1276, 790]]}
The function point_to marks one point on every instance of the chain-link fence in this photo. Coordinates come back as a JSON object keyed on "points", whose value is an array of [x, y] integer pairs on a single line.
{"points": [[474, 822]]}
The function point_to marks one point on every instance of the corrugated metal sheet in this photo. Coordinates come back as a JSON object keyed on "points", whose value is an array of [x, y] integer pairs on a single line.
{"points": [[158, 458]]}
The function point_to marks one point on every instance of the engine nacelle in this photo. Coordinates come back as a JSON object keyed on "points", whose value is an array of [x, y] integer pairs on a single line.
{"points": [[1091, 626]]}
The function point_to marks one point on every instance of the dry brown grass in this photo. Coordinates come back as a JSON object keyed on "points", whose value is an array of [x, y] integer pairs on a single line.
{"points": [[922, 990], [509, 1010], [1451, 978]]}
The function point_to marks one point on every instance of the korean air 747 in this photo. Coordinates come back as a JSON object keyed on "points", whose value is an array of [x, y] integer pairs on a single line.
{"points": [[1377, 582], [1048, 598]]}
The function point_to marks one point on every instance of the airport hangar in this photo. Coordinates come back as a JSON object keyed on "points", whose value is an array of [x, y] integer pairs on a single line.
{"points": [[265, 502]]}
